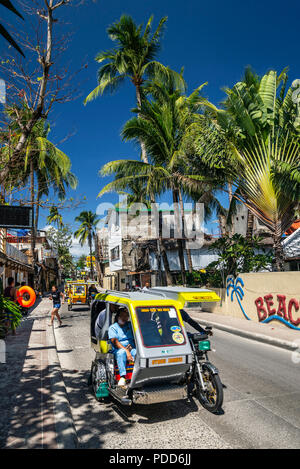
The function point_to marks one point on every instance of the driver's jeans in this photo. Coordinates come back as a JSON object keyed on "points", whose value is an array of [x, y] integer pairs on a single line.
{"points": [[121, 358]]}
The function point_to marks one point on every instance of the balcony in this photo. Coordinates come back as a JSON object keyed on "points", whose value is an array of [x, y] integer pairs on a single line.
{"points": [[15, 254]]}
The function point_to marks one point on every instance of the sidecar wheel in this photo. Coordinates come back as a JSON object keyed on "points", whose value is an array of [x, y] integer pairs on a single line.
{"points": [[98, 376]]}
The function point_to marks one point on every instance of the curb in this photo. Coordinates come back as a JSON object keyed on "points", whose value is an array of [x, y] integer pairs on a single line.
{"points": [[285, 344], [64, 424]]}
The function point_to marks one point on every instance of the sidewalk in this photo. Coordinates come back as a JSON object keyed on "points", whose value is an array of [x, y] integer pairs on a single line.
{"points": [[267, 333], [28, 412]]}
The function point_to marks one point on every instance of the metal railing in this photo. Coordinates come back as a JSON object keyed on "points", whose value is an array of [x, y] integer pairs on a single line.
{"points": [[16, 254]]}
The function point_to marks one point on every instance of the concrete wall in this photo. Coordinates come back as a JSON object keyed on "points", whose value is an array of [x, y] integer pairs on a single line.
{"points": [[261, 297]]}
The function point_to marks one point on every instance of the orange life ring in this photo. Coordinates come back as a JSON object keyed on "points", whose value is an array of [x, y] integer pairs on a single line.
{"points": [[30, 292]]}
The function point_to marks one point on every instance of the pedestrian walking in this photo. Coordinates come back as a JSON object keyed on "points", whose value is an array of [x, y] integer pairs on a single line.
{"points": [[56, 298]]}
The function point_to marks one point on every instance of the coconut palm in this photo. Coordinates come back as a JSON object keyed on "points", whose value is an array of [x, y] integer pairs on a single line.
{"points": [[87, 231], [44, 166], [259, 126], [162, 124], [55, 217], [133, 58]]}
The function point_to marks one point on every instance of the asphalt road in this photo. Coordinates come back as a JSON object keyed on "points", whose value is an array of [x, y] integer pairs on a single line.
{"points": [[261, 403]]}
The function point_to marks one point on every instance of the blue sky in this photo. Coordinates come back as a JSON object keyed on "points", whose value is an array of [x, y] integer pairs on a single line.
{"points": [[214, 41]]}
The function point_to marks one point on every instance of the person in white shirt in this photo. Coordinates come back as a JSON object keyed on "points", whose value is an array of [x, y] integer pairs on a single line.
{"points": [[99, 323], [146, 286], [101, 319]]}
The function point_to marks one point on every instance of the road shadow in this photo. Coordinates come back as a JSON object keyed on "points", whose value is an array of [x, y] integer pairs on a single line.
{"points": [[25, 392], [98, 422], [93, 420]]}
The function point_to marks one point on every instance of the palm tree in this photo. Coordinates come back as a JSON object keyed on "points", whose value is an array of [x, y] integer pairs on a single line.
{"points": [[55, 217], [259, 127], [86, 231], [133, 58], [162, 124], [44, 165]]}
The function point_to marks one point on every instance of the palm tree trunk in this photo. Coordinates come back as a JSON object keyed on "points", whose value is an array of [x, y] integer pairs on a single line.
{"points": [[278, 249], [222, 225], [169, 279], [161, 250], [179, 240], [231, 230], [139, 102], [37, 209], [188, 251], [250, 225], [91, 257], [97, 257], [33, 218]]}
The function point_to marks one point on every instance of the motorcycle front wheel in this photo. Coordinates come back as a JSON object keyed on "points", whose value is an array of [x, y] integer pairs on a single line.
{"points": [[212, 398]]}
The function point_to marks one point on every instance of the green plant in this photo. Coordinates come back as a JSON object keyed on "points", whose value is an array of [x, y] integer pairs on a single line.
{"points": [[14, 310], [8, 306], [236, 254], [210, 276], [259, 127]]}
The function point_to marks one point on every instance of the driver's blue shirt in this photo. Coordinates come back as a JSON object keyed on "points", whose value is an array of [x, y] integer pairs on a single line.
{"points": [[123, 334]]}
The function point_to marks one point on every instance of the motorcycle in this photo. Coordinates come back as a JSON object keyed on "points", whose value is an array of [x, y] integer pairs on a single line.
{"points": [[203, 377], [170, 363]]}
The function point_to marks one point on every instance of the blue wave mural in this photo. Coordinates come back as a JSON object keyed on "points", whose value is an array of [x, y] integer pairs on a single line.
{"points": [[279, 318]]}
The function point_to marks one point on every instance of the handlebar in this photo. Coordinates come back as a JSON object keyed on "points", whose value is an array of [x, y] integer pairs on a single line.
{"points": [[197, 337]]}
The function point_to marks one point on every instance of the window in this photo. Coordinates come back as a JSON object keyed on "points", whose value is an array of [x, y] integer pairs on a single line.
{"points": [[79, 290], [160, 326], [115, 253]]}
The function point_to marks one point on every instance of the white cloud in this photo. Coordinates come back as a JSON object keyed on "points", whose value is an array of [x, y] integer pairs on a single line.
{"points": [[77, 250], [47, 228]]}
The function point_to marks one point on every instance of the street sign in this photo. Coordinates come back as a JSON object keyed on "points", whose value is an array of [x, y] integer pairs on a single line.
{"points": [[88, 258], [15, 217]]}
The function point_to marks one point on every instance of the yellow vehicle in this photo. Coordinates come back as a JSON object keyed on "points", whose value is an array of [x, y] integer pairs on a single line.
{"points": [[68, 287], [170, 362], [77, 294]]}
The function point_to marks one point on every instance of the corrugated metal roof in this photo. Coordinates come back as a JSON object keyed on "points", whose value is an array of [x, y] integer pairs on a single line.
{"points": [[291, 245]]}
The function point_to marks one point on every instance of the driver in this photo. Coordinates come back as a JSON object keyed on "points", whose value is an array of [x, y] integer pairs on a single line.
{"points": [[121, 336], [92, 289]]}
